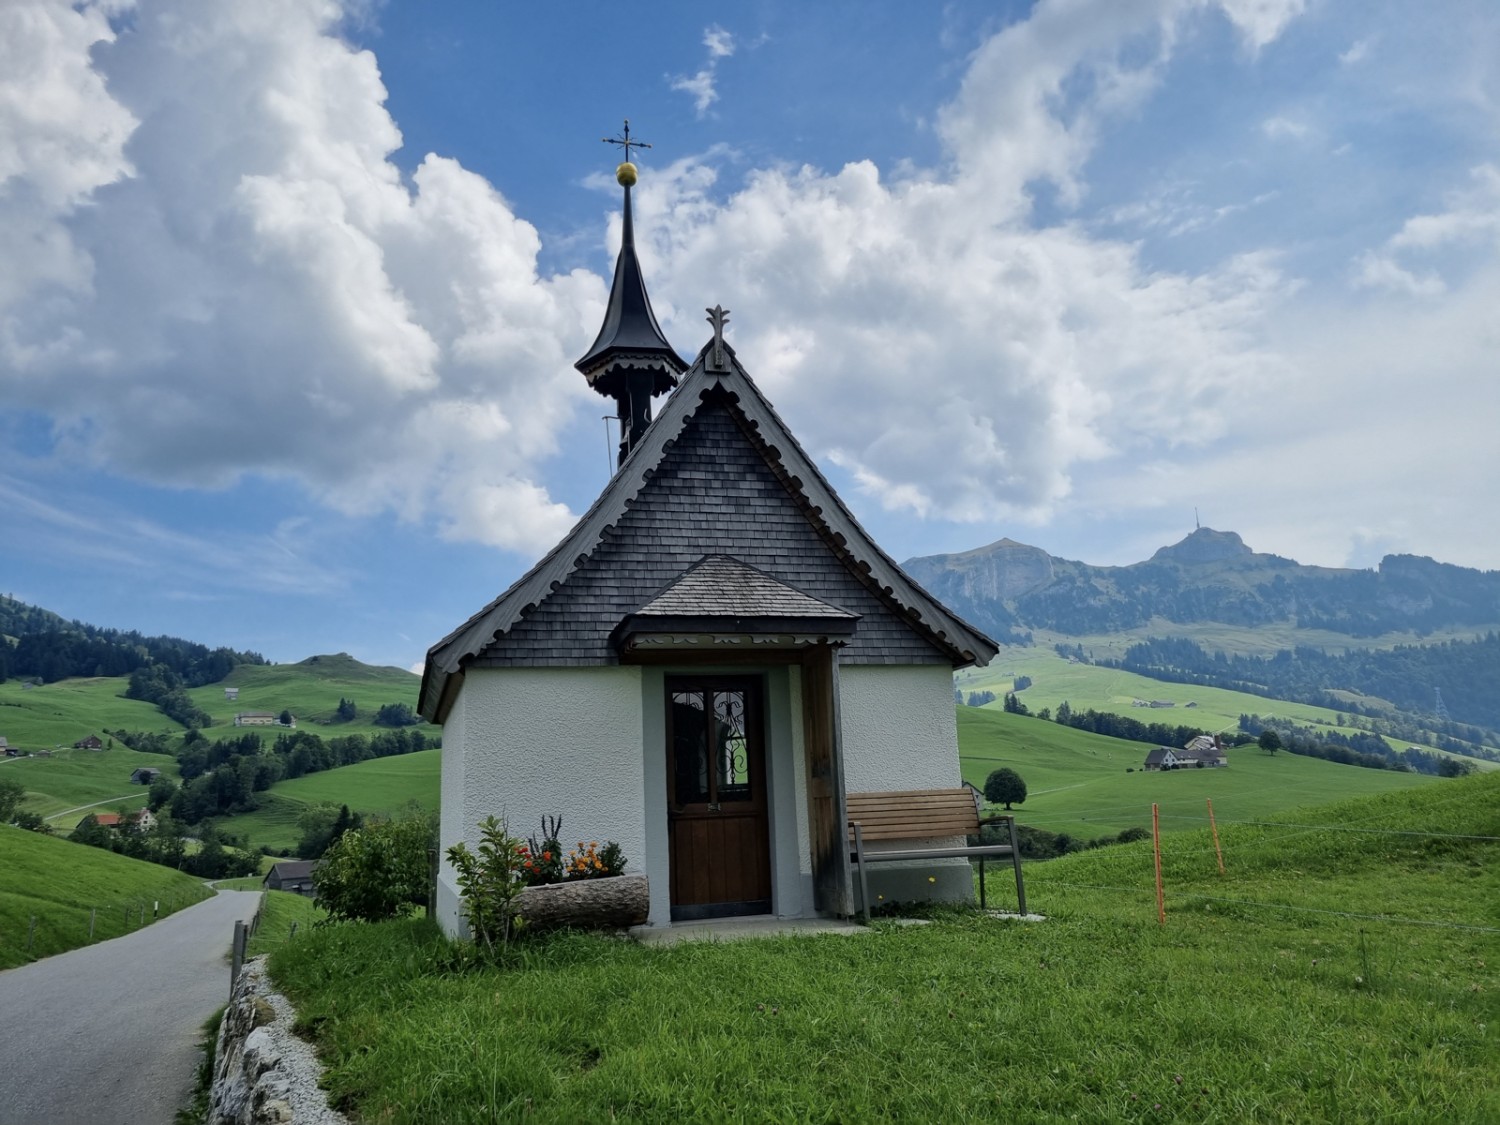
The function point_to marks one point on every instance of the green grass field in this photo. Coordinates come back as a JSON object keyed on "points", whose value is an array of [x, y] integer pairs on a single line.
{"points": [[384, 785], [1331, 975], [310, 690], [73, 779], [1076, 781], [1087, 686], [280, 911], [61, 883], [52, 715]]}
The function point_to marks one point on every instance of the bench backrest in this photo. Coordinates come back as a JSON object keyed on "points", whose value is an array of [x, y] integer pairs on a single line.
{"points": [[913, 814]]}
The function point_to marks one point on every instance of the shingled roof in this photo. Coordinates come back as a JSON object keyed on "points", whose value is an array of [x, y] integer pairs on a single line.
{"points": [[726, 383]]}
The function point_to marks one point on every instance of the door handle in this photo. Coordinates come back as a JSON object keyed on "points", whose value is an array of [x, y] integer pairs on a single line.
{"points": [[714, 807]]}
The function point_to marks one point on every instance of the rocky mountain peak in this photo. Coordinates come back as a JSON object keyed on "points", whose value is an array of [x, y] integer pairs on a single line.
{"points": [[1205, 545]]}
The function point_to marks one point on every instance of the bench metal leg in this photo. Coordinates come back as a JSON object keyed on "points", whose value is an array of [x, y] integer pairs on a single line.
{"points": [[864, 880], [1015, 858], [982, 903]]}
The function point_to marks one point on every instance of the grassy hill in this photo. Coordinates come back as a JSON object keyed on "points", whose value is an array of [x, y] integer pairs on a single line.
{"points": [[310, 690], [51, 715], [384, 785], [1076, 781], [62, 787], [1332, 975], [60, 883], [1085, 686]]}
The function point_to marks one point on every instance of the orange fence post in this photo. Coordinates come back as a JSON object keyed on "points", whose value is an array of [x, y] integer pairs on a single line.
{"points": [[1215, 829], [1161, 902]]}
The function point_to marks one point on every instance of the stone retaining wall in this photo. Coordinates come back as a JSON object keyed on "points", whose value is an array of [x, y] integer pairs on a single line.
{"points": [[263, 1074]]}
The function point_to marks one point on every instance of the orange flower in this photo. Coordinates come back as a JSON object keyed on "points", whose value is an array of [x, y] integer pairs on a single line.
{"points": [[546, 857]]}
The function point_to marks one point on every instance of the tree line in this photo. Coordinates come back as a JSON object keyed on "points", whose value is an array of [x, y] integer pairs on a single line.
{"points": [[1409, 676], [49, 649], [224, 778], [1361, 748]]}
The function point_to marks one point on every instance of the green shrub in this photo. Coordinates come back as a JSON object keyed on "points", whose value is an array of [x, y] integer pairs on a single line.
{"points": [[490, 883], [376, 872]]}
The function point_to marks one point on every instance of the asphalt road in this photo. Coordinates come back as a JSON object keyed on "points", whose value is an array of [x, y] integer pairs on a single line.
{"points": [[110, 1032]]}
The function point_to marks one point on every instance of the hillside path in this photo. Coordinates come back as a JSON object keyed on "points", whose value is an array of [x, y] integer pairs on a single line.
{"points": [[110, 1032], [95, 805]]}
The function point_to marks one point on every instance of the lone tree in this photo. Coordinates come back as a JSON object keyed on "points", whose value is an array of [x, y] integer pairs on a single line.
{"points": [[1270, 741], [1005, 787]]}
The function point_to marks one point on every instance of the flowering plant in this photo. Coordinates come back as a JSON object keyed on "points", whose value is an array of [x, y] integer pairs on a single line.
{"points": [[542, 859], [590, 861]]}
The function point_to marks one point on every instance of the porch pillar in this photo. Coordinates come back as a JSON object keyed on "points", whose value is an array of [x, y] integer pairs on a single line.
{"points": [[826, 814]]}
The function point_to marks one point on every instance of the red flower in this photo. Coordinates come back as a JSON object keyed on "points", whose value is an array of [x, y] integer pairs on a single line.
{"points": [[547, 857]]}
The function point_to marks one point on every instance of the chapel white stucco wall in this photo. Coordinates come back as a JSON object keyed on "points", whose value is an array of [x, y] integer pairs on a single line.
{"points": [[899, 727], [535, 742], [450, 825]]}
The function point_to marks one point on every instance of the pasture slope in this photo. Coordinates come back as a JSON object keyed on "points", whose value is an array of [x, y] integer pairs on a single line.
{"points": [[1055, 679], [60, 883], [1345, 970], [1077, 781], [310, 690], [384, 786], [48, 716], [73, 783]]}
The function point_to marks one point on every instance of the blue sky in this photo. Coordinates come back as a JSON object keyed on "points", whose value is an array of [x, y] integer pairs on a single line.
{"points": [[293, 287]]}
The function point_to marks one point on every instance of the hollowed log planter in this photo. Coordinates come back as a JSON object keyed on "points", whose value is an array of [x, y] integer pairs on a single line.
{"points": [[615, 903]]}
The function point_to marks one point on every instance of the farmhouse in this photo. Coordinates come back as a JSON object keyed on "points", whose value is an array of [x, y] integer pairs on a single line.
{"points": [[1203, 750], [89, 742], [294, 875], [1162, 758], [142, 820], [145, 775], [708, 663], [259, 719]]}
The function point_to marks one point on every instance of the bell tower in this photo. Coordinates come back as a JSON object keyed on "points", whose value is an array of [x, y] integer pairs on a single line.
{"points": [[630, 360]]}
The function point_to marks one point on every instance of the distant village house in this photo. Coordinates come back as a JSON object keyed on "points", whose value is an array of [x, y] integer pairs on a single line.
{"points": [[90, 743], [231, 694], [145, 775]]}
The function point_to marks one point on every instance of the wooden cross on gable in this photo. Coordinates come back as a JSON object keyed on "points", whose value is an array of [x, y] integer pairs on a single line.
{"points": [[718, 317]]}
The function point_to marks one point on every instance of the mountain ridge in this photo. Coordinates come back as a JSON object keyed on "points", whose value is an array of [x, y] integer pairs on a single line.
{"points": [[1209, 575]]}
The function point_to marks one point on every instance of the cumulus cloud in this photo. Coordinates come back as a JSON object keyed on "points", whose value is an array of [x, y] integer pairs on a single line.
{"points": [[246, 284], [1468, 228], [702, 85], [227, 274], [925, 336], [1259, 22]]}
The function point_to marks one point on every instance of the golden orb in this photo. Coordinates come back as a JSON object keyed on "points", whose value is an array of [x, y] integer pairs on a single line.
{"points": [[625, 173]]}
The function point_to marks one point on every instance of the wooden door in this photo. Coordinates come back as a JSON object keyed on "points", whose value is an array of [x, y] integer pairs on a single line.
{"points": [[717, 830]]}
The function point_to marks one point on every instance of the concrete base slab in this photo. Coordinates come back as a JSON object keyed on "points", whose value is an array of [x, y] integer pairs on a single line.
{"points": [[737, 929], [1017, 917]]}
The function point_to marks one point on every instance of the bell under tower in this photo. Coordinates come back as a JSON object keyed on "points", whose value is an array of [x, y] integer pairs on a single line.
{"points": [[630, 360]]}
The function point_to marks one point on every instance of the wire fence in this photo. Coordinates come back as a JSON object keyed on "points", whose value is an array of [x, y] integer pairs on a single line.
{"points": [[1188, 858], [56, 927]]}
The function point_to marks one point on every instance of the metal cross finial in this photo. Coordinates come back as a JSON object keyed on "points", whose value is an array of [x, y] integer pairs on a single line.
{"points": [[624, 141], [718, 317]]}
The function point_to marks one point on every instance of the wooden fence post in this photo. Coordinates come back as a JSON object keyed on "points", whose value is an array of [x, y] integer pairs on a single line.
{"points": [[30, 933], [1215, 829], [93, 911], [1161, 902], [237, 954]]}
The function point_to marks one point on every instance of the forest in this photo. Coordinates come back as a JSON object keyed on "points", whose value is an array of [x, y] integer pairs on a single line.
{"points": [[1466, 673], [48, 648]]}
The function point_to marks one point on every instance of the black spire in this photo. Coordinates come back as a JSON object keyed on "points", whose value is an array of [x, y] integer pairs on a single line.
{"points": [[630, 360]]}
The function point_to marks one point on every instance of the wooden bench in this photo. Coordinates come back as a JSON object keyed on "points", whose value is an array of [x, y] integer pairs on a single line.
{"points": [[925, 814]]}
